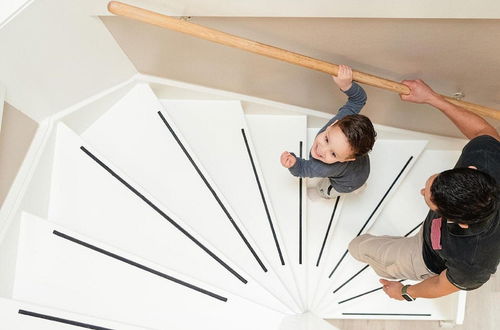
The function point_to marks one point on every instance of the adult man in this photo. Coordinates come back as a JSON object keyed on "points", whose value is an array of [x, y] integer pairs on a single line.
{"points": [[458, 247]]}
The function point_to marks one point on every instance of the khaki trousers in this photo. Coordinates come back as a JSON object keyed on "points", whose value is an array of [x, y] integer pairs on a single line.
{"points": [[392, 257]]}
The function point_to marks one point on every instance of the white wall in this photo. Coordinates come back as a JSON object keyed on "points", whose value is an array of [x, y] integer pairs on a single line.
{"points": [[15, 138], [80, 118], [10, 8], [30, 194], [2, 101], [55, 53], [8, 256], [451, 55]]}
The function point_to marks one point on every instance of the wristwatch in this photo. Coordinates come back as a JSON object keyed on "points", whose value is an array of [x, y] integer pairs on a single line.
{"points": [[405, 294]]}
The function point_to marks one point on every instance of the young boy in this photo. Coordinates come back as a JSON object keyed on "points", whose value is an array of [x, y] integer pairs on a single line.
{"points": [[339, 152]]}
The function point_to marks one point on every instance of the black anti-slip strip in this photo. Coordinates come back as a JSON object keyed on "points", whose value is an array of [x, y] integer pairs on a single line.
{"points": [[365, 267], [385, 195], [222, 206], [374, 210], [416, 227], [350, 279], [60, 320], [263, 198], [327, 231], [135, 264], [363, 294], [388, 314], [300, 210], [164, 215], [338, 263]]}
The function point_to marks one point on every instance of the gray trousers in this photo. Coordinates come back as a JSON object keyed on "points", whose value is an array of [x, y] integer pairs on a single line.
{"points": [[392, 257], [326, 190]]}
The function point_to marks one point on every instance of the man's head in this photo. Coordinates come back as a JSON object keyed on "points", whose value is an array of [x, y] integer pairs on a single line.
{"points": [[462, 195], [344, 140]]}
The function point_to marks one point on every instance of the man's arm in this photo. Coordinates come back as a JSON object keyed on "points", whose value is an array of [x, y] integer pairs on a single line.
{"points": [[470, 124], [433, 287]]}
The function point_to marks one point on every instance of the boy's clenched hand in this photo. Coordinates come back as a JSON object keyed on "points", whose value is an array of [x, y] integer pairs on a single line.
{"points": [[287, 159], [344, 77]]}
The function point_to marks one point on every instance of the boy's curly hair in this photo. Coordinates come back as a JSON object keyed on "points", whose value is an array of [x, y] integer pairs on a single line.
{"points": [[359, 132]]}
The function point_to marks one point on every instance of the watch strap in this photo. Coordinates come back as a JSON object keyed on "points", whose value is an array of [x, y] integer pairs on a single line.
{"points": [[405, 294]]}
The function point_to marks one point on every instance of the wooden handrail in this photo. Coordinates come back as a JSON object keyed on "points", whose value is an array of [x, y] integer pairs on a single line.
{"points": [[150, 17]]}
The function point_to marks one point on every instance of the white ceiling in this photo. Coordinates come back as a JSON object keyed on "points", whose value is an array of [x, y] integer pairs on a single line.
{"points": [[324, 8]]}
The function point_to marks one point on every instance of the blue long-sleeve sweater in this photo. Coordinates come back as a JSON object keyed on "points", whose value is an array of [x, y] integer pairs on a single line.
{"points": [[348, 176]]}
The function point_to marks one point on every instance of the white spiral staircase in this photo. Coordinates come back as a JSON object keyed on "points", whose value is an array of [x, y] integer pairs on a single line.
{"points": [[162, 205]]}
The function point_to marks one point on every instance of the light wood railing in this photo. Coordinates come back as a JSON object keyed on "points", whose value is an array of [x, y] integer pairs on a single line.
{"points": [[150, 17]]}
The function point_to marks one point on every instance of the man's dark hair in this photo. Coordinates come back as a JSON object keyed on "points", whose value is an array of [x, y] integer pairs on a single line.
{"points": [[465, 195], [359, 132]]}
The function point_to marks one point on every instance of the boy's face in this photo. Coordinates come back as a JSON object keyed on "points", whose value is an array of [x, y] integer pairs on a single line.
{"points": [[332, 146]]}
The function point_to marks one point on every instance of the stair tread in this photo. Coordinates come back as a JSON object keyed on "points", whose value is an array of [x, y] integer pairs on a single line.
{"points": [[271, 135], [390, 162], [408, 204], [145, 148], [222, 149], [56, 272], [378, 302], [18, 315], [80, 201]]}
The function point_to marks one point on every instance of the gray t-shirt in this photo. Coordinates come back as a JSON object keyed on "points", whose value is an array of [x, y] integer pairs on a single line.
{"points": [[345, 177]]}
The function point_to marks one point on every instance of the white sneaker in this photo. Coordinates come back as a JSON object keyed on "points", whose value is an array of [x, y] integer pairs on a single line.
{"points": [[325, 190], [313, 195]]}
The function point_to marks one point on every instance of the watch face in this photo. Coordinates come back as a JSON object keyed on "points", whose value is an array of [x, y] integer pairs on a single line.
{"points": [[405, 294], [407, 297]]}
